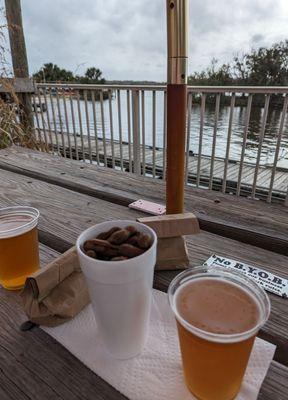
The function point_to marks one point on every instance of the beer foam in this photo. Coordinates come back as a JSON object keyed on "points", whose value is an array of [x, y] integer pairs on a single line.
{"points": [[217, 306], [13, 221]]}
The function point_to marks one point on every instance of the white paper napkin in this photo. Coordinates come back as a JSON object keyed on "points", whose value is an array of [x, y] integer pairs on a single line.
{"points": [[156, 374]]}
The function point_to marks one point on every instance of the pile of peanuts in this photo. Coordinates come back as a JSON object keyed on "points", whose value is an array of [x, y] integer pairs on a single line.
{"points": [[118, 244]]}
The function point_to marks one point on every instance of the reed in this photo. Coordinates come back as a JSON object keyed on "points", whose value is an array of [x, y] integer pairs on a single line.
{"points": [[11, 129]]}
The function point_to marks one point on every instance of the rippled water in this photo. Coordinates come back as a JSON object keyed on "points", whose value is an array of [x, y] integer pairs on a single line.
{"points": [[269, 142]]}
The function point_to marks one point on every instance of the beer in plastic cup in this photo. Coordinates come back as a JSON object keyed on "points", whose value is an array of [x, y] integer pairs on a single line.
{"points": [[120, 292], [19, 253], [218, 314]]}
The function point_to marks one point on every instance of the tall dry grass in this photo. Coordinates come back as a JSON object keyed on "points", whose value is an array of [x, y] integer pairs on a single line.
{"points": [[12, 131]]}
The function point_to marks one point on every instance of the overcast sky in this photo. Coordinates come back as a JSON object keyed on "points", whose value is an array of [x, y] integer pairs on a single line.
{"points": [[127, 39]]}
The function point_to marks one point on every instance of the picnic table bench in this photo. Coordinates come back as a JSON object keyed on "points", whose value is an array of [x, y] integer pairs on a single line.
{"points": [[73, 195]]}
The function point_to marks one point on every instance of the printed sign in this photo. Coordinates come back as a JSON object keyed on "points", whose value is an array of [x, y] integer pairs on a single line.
{"points": [[270, 282]]}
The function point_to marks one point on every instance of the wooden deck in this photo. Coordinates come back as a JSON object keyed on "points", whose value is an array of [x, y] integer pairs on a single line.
{"points": [[73, 195], [263, 181]]}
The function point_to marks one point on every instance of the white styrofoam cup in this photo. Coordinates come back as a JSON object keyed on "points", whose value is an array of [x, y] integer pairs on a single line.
{"points": [[120, 292]]}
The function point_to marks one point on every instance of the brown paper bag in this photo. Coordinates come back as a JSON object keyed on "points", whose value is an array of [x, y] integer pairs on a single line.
{"points": [[56, 292]]}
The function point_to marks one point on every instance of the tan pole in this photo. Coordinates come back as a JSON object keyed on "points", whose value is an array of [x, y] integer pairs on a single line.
{"points": [[177, 41]]}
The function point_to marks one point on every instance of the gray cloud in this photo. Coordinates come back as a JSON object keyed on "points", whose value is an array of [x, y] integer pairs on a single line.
{"points": [[127, 40], [258, 37]]}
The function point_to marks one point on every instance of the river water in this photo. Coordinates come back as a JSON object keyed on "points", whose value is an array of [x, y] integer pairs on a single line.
{"points": [[269, 142]]}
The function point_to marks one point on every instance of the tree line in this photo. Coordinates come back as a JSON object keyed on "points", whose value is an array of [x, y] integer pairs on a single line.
{"points": [[261, 67], [52, 73], [266, 66]]}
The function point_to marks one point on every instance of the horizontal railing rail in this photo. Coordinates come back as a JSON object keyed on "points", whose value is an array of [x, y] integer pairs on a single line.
{"points": [[102, 86], [239, 89], [192, 89], [237, 136]]}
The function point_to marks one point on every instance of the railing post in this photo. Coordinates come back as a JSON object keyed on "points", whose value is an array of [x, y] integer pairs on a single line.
{"points": [[136, 132], [19, 59]]}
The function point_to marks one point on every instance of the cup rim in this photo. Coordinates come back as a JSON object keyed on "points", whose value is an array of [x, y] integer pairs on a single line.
{"points": [[20, 210], [237, 278], [116, 221]]}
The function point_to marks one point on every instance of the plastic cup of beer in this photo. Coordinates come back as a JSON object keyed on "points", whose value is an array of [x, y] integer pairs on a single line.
{"points": [[218, 314], [19, 253], [120, 292]]}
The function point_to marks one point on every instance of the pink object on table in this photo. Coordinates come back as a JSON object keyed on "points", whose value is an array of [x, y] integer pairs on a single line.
{"points": [[148, 206]]}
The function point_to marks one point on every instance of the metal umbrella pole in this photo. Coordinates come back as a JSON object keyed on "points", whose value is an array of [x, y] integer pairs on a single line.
{"points": [[177, 41], [170, 229]]}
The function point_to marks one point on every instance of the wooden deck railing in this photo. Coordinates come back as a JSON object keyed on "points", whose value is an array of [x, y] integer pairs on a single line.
{"points": [[237, 137]]}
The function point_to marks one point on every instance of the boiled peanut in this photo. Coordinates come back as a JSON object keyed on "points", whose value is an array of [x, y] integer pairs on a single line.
{"points": [[119, 236], [100, 246], [144, 241], [130, 251], [131, 229], [133, 240], [106, 235], [111, 253], [97, 242], [88, 245], [91, 253]]}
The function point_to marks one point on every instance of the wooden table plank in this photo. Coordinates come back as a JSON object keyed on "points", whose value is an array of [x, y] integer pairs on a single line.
{"points": [[275, 384], [64, 214], [255, 222]]}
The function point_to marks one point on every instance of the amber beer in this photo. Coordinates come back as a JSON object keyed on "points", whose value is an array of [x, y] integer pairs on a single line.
{"points": [[218, 314], [19, 254]]}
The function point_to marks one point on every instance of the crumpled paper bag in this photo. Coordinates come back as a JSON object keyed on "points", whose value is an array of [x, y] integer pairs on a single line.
{"points": [[57, 292]]}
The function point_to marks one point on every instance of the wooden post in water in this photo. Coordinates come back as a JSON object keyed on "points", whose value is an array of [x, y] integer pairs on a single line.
{"points": [[19, 58], [177, 40]]}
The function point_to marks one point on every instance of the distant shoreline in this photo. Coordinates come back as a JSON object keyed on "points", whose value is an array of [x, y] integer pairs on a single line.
{"points": [[130, 82]]}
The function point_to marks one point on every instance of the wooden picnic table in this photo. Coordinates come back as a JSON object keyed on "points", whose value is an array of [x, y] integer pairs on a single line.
{"points": [[72, 196]]}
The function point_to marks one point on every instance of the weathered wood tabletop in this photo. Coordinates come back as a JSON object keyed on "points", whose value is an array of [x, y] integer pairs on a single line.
{"points": [[72, 196]]}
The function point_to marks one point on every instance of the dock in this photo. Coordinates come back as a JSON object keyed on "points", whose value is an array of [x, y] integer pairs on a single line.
{"points": [[115, 155]]}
